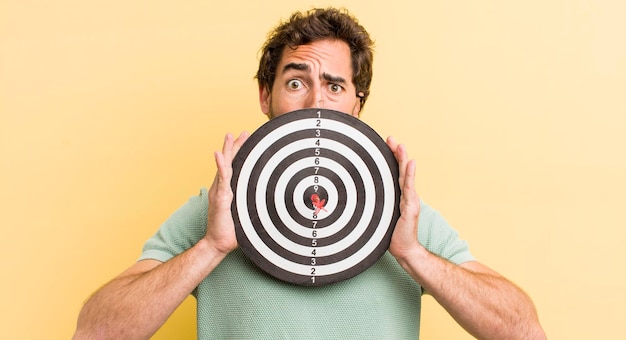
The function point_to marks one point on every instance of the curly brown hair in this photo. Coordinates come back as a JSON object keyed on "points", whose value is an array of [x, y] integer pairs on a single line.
{"points": [[317, 24]]}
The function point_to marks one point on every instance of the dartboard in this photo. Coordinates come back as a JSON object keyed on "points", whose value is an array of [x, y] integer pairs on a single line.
{"points": [[316, 197]]}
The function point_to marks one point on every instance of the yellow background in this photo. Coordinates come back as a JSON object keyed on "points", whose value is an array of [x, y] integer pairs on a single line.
{"points": [[110, 112]]}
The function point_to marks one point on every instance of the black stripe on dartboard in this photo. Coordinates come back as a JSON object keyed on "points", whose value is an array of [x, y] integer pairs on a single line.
{"points": [[277, 221], [374, 218], [322, 223], [298, 177], [259, 166], [323, 172]]}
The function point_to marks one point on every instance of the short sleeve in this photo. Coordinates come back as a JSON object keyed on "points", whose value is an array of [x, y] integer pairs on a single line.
{"points": [[440, 238], [184, 228]]}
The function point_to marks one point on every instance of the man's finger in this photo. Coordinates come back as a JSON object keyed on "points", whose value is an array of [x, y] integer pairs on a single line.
{"points": [[239, 142]]}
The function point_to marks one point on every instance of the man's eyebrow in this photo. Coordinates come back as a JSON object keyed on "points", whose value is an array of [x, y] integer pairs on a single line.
{"points": [[296, 66], [333, 79], [307, 68]]}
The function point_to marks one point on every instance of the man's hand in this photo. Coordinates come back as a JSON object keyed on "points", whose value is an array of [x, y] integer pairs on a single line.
{"points": [[404, 238], [220, 227]]}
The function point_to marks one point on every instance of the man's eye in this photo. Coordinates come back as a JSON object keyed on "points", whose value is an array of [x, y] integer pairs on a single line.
{"points": [[294, 84], [334, 88]]}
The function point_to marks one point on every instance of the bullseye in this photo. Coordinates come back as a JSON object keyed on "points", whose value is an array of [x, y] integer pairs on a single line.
{"points": [[315, 197]]}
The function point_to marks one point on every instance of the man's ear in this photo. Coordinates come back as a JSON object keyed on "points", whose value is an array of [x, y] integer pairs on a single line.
{"points": [[356, 111], [265, 99]]}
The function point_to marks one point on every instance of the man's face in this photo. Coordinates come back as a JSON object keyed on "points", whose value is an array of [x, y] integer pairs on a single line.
{"points": [[316, 75]]}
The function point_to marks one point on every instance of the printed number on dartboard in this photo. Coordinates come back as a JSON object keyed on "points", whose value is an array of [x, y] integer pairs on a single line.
{"points": [[317, 152]]}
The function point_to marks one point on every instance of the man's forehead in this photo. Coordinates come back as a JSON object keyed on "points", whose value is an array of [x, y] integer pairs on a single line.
{"points": [[328, 54]]}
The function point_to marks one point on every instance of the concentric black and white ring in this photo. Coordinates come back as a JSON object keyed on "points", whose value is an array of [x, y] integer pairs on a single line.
{"points": [[353, 176]]}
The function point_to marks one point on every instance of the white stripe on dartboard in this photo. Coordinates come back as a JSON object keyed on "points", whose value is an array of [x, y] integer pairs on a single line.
{"points": [[305, 231], [284, 178]]}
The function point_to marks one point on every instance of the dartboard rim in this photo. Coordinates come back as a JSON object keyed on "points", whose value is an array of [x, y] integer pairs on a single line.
{"points": [[250, 249]]}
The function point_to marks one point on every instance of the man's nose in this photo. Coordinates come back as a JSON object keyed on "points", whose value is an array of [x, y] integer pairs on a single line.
{"points": [[316, 99]]}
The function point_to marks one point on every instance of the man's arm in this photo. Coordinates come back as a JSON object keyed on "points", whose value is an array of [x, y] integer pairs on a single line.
{"points": [[135, 304], [483, 302]]}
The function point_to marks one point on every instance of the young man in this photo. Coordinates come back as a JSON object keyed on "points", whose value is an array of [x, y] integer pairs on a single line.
{"points": [[322, 58]]}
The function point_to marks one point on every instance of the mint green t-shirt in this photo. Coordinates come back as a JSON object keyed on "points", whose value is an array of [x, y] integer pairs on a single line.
{"points": [[240, 301]]}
